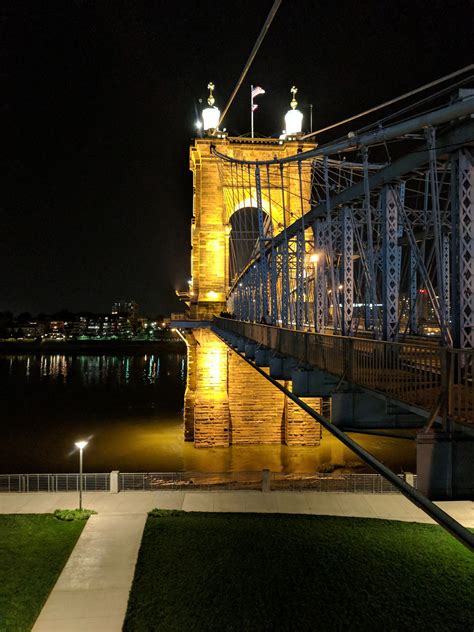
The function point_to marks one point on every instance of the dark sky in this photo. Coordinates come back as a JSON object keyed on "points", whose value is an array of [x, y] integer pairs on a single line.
{"points": [[99, 113]]}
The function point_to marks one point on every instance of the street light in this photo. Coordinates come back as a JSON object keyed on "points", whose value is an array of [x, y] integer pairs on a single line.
{"points": [[81, 445]]}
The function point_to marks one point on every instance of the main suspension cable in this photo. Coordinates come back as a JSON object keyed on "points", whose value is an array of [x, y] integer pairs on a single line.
{"points": [[257, 44], [391, 101]]}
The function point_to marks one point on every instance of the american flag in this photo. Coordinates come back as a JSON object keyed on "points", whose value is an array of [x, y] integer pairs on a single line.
{"points": [[256, 91]]}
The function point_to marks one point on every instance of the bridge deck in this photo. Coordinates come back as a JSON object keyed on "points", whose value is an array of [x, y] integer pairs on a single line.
{"points": [[416, 374]]}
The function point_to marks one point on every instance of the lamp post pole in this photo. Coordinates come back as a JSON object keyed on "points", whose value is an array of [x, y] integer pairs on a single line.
{"points": [[80, 478], [81, 445]]}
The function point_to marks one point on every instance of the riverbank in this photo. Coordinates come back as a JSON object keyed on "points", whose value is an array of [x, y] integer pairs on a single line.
{"points": [[93, 347]]}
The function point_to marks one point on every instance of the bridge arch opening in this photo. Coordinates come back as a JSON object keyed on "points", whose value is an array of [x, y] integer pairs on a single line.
{"points": [[243, 237]]}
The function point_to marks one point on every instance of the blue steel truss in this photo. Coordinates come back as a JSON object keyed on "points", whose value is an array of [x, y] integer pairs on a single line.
{"points": [[365, 247]]}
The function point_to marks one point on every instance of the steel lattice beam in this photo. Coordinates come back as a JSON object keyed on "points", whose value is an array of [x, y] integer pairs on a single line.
{"points": [[466, 248], [348, 271], [391, 281]]}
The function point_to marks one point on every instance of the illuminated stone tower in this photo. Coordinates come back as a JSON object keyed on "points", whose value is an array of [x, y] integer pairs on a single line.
{"points": [[214, 204]]}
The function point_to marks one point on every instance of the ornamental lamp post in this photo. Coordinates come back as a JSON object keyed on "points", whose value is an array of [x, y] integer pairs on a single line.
{"points": [[81, 445], [293, 118], [211, 114]]}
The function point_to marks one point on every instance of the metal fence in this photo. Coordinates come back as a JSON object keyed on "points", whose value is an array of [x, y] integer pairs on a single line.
{"points": [[348, 483], [218, 481], [53, 482], [200, 481]]}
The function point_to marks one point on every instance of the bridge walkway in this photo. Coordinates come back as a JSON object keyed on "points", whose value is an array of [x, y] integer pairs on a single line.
{"points": [[418, 375]]}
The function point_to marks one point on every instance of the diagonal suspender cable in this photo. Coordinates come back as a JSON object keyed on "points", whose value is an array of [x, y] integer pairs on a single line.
{"points": [[257, 44]]}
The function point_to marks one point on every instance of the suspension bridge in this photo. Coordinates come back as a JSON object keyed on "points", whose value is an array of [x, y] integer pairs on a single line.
{"points": [[346, 270]]}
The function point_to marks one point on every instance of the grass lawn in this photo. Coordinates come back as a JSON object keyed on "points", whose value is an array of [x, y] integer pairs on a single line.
{"points": [[33, 552], [254, 572]]}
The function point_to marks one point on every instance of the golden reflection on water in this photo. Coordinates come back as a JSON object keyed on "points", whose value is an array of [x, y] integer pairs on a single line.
{"points": [[131, 408], [161, 448]]}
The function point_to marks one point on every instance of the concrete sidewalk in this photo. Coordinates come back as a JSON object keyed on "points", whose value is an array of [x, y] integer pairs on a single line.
{"points": [[92, 591], [388, 506]]}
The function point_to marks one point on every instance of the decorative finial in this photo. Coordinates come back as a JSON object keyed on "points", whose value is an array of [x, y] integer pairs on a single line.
{"points": [[210, 98], [294, 102]]}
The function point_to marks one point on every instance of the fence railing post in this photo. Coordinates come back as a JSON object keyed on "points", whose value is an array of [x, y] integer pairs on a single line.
{"points": [[114, 482], [266, 481]]}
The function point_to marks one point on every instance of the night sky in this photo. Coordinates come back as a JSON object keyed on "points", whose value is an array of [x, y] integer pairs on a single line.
{"points": [[99, 109]]}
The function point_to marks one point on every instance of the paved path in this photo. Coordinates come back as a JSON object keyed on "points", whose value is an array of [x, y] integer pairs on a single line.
{"points": [[91, 593], [390, 506]]}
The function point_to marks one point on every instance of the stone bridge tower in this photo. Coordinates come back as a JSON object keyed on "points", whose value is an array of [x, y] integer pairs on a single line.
{"points": [[214, 203]]}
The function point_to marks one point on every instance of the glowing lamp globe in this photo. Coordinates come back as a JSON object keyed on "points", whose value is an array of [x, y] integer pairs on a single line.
{"points": [[293, 118], [211, 114], [210, 118], [293, 122]]}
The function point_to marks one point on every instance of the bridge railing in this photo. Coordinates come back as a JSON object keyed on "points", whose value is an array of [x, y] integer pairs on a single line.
{"points": [[417, 374]]}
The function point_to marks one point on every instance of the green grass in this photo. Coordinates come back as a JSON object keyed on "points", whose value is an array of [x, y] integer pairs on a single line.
{"points": [[33, 552], [278, 572]]}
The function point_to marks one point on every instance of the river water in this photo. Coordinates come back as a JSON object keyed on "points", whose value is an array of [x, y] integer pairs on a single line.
{"points": [[130, 408]]}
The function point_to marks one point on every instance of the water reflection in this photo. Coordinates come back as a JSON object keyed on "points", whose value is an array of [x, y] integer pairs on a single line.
{"points": [[131, 407], [87, 370]]}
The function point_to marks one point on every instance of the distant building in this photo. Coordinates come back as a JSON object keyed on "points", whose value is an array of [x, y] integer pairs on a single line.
{"points": [[126, 308], [30, 330], [78, 327], [126, 313], [56, 326]]}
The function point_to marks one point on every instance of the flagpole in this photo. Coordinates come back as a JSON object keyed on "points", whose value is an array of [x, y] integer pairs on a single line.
{"points": [[251, 111]]}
